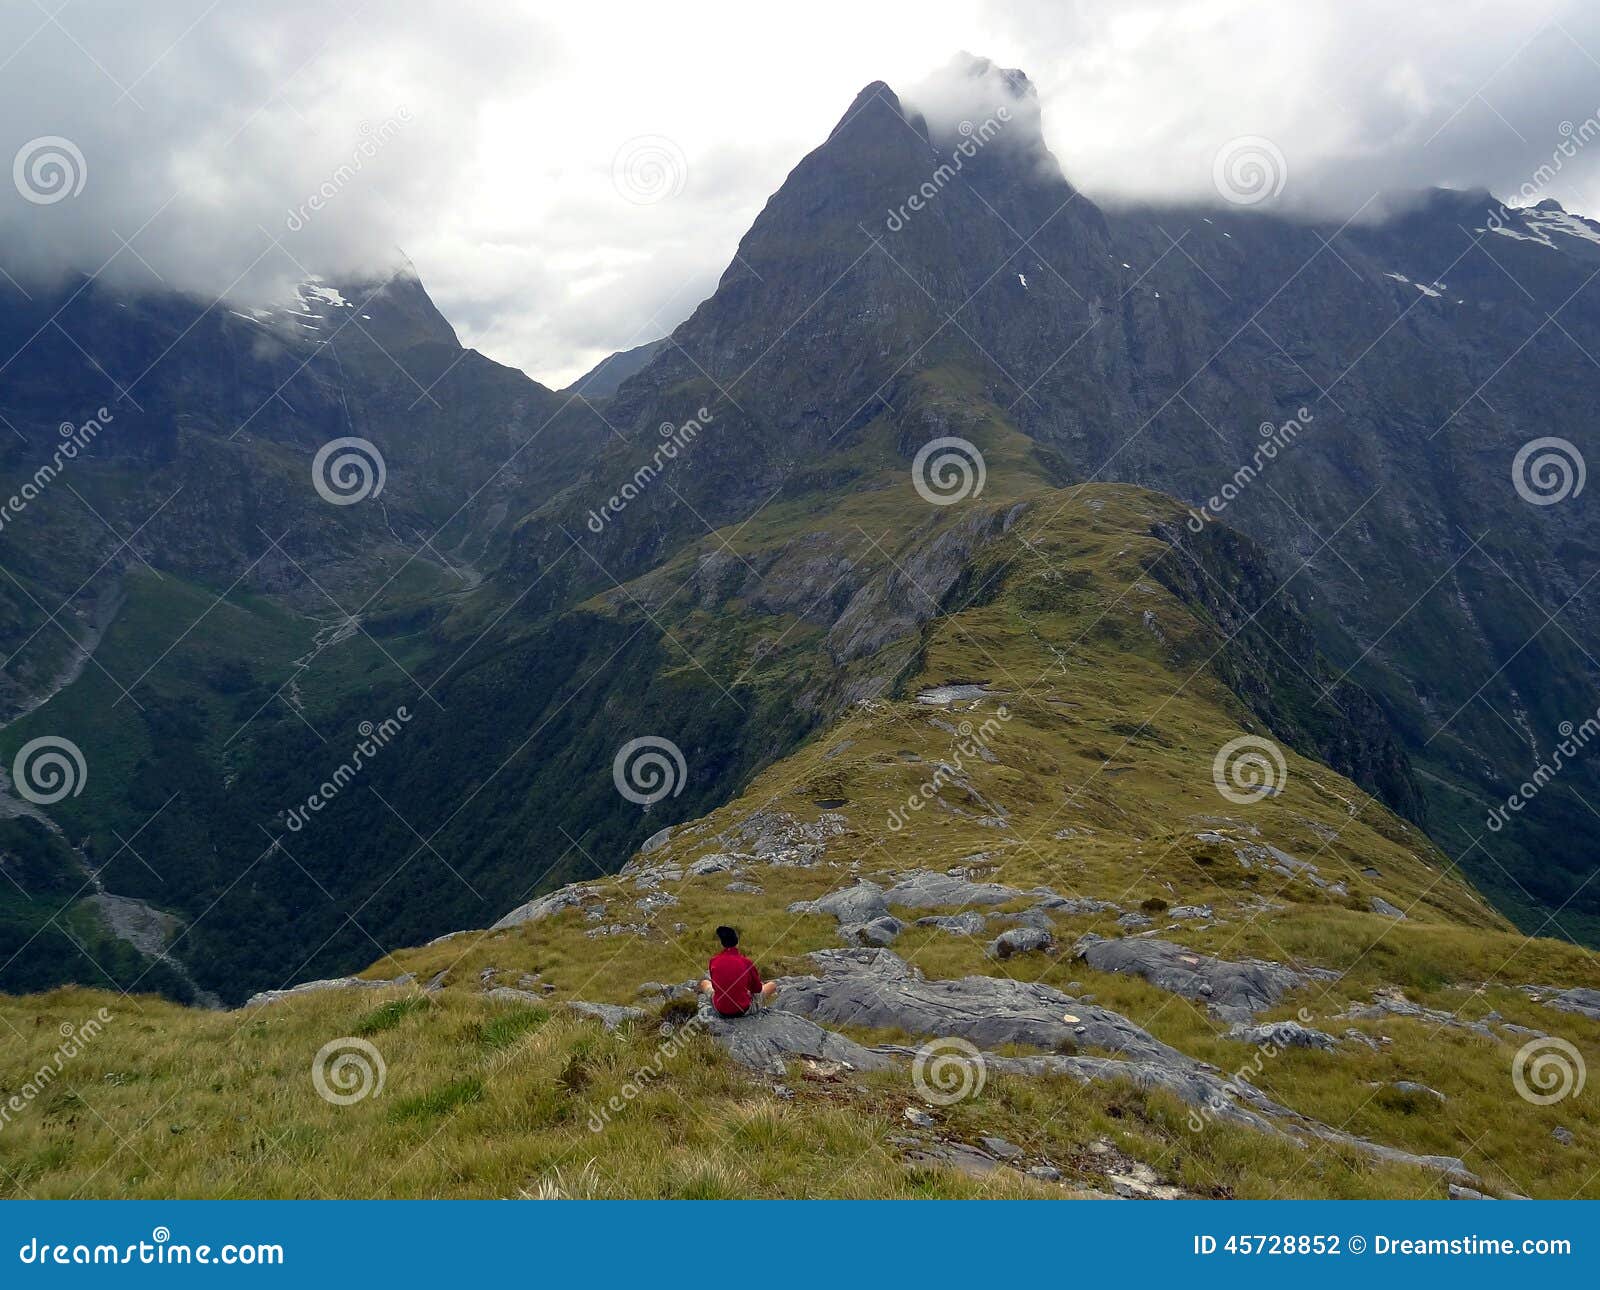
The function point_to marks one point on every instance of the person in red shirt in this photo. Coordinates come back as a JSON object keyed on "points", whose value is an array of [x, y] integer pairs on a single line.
{"points": [[734, 984]]}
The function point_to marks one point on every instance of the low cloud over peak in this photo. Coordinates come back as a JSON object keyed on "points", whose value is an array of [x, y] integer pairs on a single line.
{"points": [[566, 193]]}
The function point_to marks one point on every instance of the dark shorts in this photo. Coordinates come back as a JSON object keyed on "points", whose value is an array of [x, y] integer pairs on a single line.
{"points": [[729, 1016]]}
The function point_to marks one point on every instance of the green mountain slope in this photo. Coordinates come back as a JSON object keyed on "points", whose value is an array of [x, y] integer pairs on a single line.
{"points": [[1060, 723]]}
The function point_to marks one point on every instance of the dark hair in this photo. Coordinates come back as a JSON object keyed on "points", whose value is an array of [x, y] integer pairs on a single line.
{"points": [[728, 937]]}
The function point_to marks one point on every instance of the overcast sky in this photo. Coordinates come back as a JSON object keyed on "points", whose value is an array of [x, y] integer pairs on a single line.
{"points": [[571, 182]]}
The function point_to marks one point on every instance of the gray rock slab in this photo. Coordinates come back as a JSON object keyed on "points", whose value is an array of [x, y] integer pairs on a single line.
{"points": [[883, 991], [317, 987], [1233, 991], [545, 906], [766, 1039], [1282, 1034], [926, 890], [609, 1015]]}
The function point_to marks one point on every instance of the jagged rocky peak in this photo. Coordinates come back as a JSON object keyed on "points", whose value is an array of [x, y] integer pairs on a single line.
{"points": [[384, 303]]}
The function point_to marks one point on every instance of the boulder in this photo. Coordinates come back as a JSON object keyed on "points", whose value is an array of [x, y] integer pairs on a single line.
{"points": [[859, 904], [1382, 906], [880, 931], [1020, 940]]}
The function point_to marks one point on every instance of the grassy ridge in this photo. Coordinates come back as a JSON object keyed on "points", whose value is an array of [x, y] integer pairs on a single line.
{"points": [[1103, 767]]}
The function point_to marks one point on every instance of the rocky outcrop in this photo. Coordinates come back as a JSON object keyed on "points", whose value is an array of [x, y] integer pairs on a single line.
{"points": [[877, 988], [766, 1039], [1282, 1034], [1584, 1002], [317, 987], [1232, 991], [546, 906], [925, 890], [859, 904], [967, 924], [609, 1015], [1393, 1003]]}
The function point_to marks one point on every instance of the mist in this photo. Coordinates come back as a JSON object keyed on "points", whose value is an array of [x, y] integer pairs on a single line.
{"points": [[569, 183]]}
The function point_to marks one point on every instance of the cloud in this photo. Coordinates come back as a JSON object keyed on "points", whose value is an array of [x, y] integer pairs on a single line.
{"points": [[206, 136], [1359, 96], [233, 148]]}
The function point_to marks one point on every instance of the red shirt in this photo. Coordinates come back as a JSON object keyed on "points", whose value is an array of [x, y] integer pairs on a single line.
{"points": [[734, 982]]}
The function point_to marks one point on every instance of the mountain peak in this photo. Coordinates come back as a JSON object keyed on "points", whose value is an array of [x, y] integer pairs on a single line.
{"points": [[875, 102]]}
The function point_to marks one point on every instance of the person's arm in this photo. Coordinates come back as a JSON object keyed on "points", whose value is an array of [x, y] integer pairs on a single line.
{"points": [[754, 980]]}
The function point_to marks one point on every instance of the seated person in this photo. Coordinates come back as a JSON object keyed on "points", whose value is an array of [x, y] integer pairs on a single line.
{"points": [[734, 984]]}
